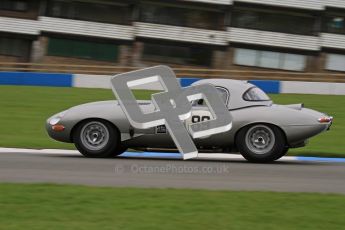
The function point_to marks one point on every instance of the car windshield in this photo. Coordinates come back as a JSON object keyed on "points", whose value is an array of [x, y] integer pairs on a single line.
{"points": [[255, 94]]}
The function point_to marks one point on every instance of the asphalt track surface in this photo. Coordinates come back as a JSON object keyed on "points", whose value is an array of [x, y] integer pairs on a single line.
{"points": [[230, 174]]}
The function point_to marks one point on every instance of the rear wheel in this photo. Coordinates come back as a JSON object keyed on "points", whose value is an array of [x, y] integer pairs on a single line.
{"points": [[97, 139], [261, 143]]}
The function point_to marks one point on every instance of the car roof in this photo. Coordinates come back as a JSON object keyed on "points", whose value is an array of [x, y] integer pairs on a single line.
{"points": [[236, 88]]}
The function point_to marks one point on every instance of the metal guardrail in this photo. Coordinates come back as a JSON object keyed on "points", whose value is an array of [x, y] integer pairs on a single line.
{"points": [[180, 72]]}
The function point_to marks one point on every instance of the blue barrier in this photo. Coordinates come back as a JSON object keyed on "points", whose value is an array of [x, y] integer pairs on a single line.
{"points": [[36, 79], [267, 86], [66, 80], [184, 82]]}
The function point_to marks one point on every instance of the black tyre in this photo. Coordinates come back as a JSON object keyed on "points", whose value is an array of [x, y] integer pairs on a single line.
{"points": [[286, 149], [261, 143], [97, 139]]}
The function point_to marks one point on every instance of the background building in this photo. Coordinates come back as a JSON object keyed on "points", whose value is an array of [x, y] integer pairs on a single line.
{"points": [[290, 35]]}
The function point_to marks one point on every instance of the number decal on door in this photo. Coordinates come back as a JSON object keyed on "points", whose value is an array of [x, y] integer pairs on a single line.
{"points": [[196, 118]]}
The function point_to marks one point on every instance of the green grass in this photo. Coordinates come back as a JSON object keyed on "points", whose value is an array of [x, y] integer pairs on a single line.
{"points": [[43, 206], [24, 111]]}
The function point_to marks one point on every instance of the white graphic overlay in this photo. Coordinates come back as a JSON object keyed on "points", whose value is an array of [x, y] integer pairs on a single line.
{"points": [[172, 106]]}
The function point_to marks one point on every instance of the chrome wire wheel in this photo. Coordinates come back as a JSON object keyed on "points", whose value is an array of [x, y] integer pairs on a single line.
{"points": [[94, 135], [260, 139]]}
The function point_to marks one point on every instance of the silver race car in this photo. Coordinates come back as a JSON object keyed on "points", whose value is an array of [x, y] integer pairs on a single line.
{"points": [[261, 131]]}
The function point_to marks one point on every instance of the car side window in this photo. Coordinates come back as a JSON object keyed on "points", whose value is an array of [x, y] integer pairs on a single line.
{"points": [[255, 94], [223, 92]]}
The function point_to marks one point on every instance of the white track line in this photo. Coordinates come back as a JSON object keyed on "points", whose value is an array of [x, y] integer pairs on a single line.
{"points": [[201, 156], [39, 151]]}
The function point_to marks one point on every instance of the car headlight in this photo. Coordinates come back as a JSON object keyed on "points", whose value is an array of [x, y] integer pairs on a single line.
{"points": [[56, 118]]}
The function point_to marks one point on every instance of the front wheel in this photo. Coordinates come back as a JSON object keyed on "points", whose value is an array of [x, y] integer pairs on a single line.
{"points": [[97, 139], [261, 143]]}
